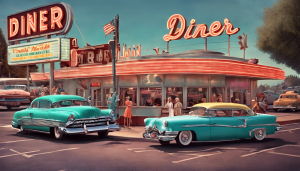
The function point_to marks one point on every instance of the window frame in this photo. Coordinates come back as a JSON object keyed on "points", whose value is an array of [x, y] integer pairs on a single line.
{"points": [[227, 109], [207, 93], [37, 104], [46, 101], [124, 98]]}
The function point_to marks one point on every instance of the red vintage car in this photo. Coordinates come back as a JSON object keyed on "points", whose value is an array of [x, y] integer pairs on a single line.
{"points": [[14, 98]]}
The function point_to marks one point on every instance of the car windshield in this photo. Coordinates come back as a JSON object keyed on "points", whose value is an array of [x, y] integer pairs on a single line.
{"points": [[66, 103], [198, 111], [288, 97]]}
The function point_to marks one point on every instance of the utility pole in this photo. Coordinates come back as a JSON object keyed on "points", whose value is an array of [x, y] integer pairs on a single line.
{"points": [[114, 54]]}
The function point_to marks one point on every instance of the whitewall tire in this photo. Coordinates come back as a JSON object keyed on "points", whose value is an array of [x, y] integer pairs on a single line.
{"points": [[260, 134], [184, 138], [57, 134], [22, 130]]}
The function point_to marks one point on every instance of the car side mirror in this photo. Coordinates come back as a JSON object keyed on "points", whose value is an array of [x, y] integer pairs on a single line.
{"points": [[53, 105]]}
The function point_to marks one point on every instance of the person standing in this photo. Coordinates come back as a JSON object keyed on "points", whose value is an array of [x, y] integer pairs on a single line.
{"points": [[219, 98], [177, 107], [213, 98], [169, 105], [127, 114], [109, 101], [60, 89], [54, 90]]}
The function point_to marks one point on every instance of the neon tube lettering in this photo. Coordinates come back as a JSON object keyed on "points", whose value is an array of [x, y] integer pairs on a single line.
{"points": [[229, 27], [22, 25], [31, 23], [172, 24], [43, 19], [188, 33], [13, 22], [56, 20], [216, 28], [201, 31]]}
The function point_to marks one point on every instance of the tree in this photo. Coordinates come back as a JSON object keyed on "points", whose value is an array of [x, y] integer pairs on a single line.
{"points": [[16, 71], [291, 80], [279, 36]]}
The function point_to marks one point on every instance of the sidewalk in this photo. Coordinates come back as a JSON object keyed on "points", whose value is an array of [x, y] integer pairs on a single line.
{"points": [[137, 131]]}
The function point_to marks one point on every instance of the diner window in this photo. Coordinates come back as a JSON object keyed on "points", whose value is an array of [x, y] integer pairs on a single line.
{"points": [[196, 95], [239, 96], [150, 96], [217, 94], [174, 92], [80, 92], [240, 113], [125, 92]]}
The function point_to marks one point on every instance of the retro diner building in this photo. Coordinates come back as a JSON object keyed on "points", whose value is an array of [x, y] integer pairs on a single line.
{"points": [[189, 75], [194, 76]]}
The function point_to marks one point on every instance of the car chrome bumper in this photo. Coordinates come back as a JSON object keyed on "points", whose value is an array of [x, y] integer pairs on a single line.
{"points": [[114, 127], [166, 136], [278, 128], [13, 124], [283, 107], [83, 130]]}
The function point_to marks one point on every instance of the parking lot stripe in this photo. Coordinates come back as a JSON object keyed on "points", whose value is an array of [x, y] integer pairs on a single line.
{"points": [[54, 151], [2, 148], [5, 126], [268, 150], [289, 130], [134, 148], [218, 152], [284, 154], [18, 154], [6, 142], [25, 155]]}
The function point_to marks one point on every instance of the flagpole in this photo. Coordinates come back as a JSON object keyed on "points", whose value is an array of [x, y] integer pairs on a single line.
{"points": [[114, 53]]}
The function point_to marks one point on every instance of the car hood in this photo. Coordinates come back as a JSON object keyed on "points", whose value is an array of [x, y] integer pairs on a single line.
{"points": [[83, 111], [285, 102]]}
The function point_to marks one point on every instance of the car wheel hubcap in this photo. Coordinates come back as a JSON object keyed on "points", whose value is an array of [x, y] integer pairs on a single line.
{"points": [[57, 133], [260, 134], [22, 129], [185, 137]]}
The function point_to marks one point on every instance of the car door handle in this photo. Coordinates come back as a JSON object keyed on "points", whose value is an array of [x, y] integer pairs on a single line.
{"points": [[30, 114]]}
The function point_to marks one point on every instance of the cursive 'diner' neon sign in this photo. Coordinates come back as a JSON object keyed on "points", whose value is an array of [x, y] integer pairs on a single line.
{"points": [[215, 29]]}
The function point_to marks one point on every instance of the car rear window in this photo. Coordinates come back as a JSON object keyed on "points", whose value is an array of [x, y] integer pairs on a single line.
{"points": [[289, 97]]}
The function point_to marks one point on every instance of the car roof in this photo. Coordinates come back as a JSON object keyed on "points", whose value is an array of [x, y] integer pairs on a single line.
{"points": [[56, 98], [217, 105]]}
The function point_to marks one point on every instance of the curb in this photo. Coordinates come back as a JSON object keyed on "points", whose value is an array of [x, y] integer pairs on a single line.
{"points": [[288, 122]]}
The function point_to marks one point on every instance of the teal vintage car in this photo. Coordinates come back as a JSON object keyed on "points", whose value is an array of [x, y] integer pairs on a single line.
{"points": [[211, 122], [64, 114]]}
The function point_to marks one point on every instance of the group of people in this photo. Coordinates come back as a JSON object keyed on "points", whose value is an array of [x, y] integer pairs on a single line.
{"points": [[175, 109], [43, 91], [152, 102], [200, 100], [216, 98]]}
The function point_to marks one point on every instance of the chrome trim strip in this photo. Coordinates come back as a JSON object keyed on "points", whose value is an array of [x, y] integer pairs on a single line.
{"points": [[114, 127], [255, 130], [278, 128], [81, 130], [199, 125], [266, 125]]}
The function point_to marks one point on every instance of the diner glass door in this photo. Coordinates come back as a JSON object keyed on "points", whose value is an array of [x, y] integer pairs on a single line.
{"points": [[96, 96]]}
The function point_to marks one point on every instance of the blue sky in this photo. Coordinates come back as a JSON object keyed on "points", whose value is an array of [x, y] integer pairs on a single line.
{"points": [[144, 22]]}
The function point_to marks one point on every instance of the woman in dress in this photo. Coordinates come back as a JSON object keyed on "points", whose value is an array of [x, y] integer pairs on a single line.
{"points": [[127, 114], [169, 105], [219, 98]]}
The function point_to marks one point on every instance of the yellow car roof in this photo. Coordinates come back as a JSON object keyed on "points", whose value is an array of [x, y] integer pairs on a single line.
{"points": [[215, 105]]}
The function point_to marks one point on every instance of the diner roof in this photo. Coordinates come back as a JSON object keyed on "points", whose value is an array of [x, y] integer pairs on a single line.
{"points": [[188, 62]]}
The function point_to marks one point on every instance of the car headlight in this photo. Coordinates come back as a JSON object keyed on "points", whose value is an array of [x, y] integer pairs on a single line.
{"points": [[165, 123], [71, 118]]}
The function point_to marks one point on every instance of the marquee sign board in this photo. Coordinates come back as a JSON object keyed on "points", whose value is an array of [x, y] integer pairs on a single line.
{"points": [[50, 19], [55, 49]]}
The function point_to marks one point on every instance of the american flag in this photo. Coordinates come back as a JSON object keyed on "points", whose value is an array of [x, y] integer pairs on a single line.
{"points": [[109, 27]]}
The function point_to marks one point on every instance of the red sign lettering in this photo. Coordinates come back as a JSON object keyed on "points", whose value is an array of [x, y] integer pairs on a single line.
{"points": [[215, 29], [55, 18]]}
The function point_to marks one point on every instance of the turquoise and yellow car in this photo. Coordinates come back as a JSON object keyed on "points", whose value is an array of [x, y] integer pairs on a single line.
{"points": [[64, 114], [211, 122]]}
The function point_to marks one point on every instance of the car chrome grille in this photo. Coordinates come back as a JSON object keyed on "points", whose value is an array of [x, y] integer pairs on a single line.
{"points": [[78, 123]]}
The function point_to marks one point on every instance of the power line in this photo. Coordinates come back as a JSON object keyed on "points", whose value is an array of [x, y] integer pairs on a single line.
{"points": [[2, 19], [10, 7], [81, 33]]}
